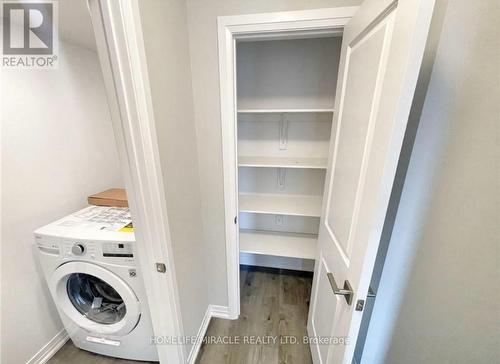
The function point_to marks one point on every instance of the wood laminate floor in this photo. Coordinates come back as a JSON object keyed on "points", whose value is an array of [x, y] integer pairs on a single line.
{"points": [[70, 354], [274, 306]]}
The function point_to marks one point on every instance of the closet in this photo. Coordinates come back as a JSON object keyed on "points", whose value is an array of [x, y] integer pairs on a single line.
{"points": [[285, 98]]}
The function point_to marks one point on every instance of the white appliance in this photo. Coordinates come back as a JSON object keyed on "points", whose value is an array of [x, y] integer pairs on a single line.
{"points": [[90, 264]]}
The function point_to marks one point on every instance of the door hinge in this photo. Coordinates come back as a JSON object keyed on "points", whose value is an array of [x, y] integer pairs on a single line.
{"points": [[235, 220]]}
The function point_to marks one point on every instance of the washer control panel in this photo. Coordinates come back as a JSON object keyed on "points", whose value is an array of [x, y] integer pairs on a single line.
{"points": [[84, 249], [47, 246], [117, 250]]}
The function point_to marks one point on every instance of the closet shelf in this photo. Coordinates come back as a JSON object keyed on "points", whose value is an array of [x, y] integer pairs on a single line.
{"points": [[282, 111], [280, 244], [282, 162], [296, 205]]}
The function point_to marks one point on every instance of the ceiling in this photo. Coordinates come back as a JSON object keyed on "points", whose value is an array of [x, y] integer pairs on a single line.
{"points": [[75, 25]]}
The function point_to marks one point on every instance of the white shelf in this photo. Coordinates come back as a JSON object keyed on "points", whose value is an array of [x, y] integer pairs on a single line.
{"points": [[282, 162], [282, 111], [278, 244], [295, 205]]}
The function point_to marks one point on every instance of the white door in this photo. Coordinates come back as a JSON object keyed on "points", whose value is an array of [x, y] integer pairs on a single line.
{"points": [[381, 55]]}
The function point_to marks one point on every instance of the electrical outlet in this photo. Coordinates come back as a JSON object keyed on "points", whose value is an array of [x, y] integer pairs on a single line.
{"points": [[280, 220]]}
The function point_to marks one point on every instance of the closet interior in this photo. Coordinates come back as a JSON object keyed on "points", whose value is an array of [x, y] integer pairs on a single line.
{"points": [[285, 98]]}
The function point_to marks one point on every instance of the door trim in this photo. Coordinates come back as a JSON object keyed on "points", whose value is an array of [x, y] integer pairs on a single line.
{"points": [[279, 25], [120, 45]]}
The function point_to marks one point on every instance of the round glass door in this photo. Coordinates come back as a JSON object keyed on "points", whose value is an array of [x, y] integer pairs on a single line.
{"points": [[95, 299]]}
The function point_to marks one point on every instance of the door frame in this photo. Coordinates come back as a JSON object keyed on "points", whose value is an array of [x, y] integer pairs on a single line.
{"points": [[278, 25], [120, 44]]}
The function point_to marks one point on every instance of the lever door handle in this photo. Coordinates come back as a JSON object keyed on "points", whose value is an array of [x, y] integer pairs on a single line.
{"points": [[347, 291]]}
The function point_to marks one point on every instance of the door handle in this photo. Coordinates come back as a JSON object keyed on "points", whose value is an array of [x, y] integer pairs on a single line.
{"points": [[347, 291]]}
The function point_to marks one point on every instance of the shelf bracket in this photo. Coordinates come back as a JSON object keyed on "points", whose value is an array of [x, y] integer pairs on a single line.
{"points": [[283, 132], [281, 178]]}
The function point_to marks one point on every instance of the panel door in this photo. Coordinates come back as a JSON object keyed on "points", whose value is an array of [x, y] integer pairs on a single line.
{"points": [[382, 50]]}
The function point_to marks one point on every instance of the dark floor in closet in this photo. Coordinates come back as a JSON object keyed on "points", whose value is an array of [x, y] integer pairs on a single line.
{"points": [[274, 303]]}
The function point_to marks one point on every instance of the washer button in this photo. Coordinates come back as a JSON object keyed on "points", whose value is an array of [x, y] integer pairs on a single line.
{"points": [[78, 249]]}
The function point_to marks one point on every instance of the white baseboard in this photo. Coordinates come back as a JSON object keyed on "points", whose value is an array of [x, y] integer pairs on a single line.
{"points": [[49, 349], [212, 311], [199, 337], [219, 311]]}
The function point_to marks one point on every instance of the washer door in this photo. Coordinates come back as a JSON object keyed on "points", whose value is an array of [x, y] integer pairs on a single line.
{"points": [[96, 299]]}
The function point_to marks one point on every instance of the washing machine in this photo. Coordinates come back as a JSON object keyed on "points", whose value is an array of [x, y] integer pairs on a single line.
{"points": [[90, 265]]}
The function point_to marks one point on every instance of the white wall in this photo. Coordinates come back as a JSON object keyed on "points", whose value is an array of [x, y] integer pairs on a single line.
{"points": [[292, 73], [57, 148], [202, 24], [438, 298], [165, 36]]}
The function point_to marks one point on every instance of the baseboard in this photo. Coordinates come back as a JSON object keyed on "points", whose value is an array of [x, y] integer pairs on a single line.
{"points": [[212, 311], [199, 337], [219, 311], [49, 349]]}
